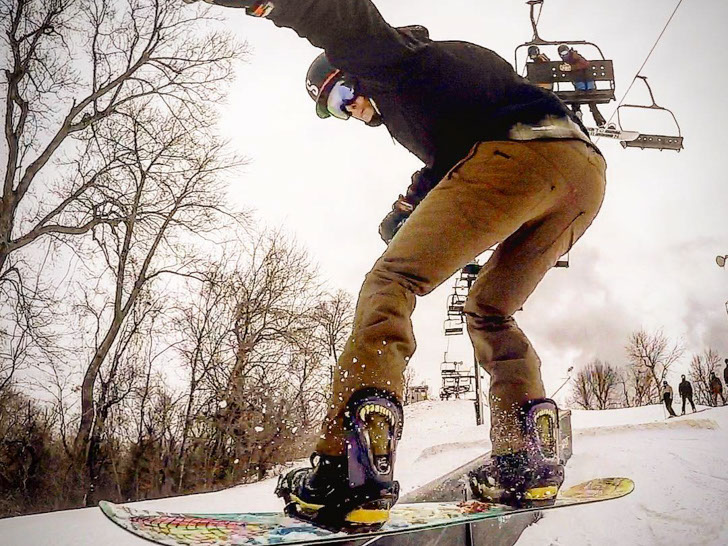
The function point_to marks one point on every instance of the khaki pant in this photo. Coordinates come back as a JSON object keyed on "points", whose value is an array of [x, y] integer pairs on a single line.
{"points": [[536, 199]]}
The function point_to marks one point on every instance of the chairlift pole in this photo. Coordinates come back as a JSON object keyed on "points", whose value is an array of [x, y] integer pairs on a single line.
{"points": [[478, 386], [534, 24], [721, 261], [469, 274], [568, 378]]}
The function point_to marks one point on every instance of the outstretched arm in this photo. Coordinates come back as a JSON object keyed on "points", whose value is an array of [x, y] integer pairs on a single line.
{"points": [[353, 33]]}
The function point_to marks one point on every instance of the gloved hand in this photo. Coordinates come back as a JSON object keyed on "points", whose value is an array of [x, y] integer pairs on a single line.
{"points": [[256, 8], [401, 210]]}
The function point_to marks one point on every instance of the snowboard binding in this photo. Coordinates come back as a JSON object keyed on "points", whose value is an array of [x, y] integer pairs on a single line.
{"points": [[352, 492], [530, 477]]}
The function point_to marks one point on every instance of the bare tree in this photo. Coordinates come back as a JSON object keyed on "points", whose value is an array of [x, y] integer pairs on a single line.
{"points": [[275, 293], [636, 386], [69, 66], [654, 354], [168, 188], [596, 386], [308, 375], [605, 379], [255, 354], [701, 367], [204, 326], [119, 377], [625, 396], [335, 316], [71, 70], [409, 380], [581, 391]]}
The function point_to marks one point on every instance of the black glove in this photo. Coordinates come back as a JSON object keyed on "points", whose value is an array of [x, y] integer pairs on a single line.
{"points": [[401, 210]]}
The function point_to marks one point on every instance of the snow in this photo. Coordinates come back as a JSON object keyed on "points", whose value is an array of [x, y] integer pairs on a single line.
{"points": [[680, 467]]}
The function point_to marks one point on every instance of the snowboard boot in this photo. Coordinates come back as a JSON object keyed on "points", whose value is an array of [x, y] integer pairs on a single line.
{"points": [[532, 476], [352, 492]]}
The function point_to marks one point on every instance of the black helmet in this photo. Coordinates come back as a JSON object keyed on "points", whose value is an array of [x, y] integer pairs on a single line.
{"points": [[533, 51], [320, 79], [562, 49]]}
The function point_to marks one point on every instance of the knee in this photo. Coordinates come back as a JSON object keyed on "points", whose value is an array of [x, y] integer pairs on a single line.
{"points": [[488, 319], [385, 275]]}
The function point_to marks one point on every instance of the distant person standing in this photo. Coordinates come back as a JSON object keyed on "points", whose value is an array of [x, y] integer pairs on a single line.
{"points": [[716, 389], [685, 389], [725, 373], [667, 398]]}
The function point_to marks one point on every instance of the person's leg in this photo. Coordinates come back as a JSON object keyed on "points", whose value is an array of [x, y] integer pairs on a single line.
{"points": [[492, 193], [597, 115], [684, 398], [668, 401], [691, 403], [575, 182]]}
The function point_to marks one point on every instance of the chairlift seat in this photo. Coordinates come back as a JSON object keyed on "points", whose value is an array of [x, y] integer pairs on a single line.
{"points": [[470, 270], [596, 96], [655, 142]]}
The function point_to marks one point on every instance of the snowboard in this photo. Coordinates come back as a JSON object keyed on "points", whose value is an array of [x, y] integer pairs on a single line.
{"points": [[263, 528], [613, 132]]}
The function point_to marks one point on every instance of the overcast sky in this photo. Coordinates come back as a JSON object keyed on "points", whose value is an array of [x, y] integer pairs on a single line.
{"points": [[647, 262]]}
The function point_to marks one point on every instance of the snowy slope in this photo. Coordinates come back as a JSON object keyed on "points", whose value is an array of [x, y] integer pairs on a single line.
{"points": [[680, 467]]}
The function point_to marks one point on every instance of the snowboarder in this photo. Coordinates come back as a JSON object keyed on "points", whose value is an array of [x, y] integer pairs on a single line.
{"points": [[580, 65], [667, 398], [505, 162], [685, 389], [716, 389]]}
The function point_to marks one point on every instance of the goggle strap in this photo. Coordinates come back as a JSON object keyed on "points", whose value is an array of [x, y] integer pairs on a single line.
{"points": [[328, 79]]}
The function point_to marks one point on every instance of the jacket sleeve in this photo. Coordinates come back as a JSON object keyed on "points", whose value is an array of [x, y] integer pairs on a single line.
{"points": [[353, 33], [580, 63], [422, 182]]}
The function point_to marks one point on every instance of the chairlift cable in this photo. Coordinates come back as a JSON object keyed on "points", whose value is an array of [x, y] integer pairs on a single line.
{"points": [[624, 96]]}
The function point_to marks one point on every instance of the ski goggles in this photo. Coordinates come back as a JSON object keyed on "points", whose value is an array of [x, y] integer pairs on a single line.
{"points": [[339, 98]]}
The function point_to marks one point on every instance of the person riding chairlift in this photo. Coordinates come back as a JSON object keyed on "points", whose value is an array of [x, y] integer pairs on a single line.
{"points": [[579, 64], [536, 56]]}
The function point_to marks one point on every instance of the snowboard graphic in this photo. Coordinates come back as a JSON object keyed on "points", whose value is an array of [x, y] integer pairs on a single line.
{"points": [[263, 528], [612, 132]]}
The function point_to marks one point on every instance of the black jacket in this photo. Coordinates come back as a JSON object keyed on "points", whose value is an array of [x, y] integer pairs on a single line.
{"points": [[436, 98], [715, 384], [685, 389]]}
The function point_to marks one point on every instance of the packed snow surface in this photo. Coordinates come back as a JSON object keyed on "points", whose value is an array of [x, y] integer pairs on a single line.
{"points": [[680, 467]]}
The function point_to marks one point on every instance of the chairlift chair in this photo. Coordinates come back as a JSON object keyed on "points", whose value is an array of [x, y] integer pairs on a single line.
{"points": [[470, 271], [563, 261], [557, 73], [449, 367], [454, 326], [455, 304], [649, 140]]}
